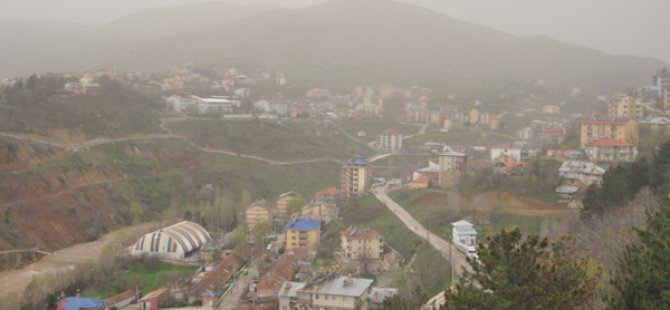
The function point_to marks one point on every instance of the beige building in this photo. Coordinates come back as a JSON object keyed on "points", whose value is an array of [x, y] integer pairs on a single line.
{"points": [[303, 232], [592, 130], [551, 109], [665, 100], [356, 177], [625, 107], [474, 116], [342, 293], [362, 244], [611, 150], [259, 213], [324, 212], [282, 207]]}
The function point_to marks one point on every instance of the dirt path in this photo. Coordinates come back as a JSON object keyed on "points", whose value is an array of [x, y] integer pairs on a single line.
{"points": [[16, 281]]}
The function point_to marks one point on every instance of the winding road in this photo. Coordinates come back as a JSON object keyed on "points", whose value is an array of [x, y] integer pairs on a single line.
{"points": [[439, 244]]}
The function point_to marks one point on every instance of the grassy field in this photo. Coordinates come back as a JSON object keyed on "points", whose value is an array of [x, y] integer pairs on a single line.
{"points": [[147, 275], [374, 126], [289, 140], [467, 136], [423, 267], [438, 218]]}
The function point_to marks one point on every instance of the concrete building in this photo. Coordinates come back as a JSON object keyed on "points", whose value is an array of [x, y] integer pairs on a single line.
{"points": [[390, 141], [321, 211], [552, 135], [173, 242], [452, 166], [622, 130], [474, 116], [329, 195], [303, 232], [191, 104], [608, 149], [259, 213], [665, 99], [506, 150], [464, 232], [551, 109], [356, 177], [625, 107], [282, 215], [362, 244], [288, 295], [581, 172], [662, 80], [343, 293]]}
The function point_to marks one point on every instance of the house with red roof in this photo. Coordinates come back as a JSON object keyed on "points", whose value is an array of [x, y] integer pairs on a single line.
{"points": [[328, 195], [618, 129], [608, 149], [552, 135]]}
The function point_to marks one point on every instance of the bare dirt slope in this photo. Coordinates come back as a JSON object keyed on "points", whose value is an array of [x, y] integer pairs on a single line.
{"points": [[16, 281]]}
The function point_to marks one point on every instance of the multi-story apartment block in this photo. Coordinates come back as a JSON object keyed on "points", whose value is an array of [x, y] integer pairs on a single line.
{"points": [[622, 130], [303, 232], [356, 177], [625, 107], [390, 141], [362, 244]]}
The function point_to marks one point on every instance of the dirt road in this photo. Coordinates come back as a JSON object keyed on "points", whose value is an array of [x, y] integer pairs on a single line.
{"points": [[16, 281]]}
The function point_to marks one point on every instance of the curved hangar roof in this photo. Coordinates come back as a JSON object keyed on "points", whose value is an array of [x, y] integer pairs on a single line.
{"points": [[179, 238]]}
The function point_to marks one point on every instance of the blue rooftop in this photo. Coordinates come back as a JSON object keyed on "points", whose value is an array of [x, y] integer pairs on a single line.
{"points": [[76, 303], [208, 294], [303, 224], [358, 160]]}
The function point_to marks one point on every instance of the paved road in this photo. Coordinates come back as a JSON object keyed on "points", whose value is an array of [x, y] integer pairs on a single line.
{"points": [[231, 298], [412, 224]]}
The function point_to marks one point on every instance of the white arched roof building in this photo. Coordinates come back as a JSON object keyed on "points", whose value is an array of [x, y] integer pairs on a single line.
{"points": [[173, 242]]}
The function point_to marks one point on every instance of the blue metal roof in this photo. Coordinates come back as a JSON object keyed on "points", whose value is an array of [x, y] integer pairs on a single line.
{"points": [[76, 303], [208, 294], [303, 224], [358, 160]]}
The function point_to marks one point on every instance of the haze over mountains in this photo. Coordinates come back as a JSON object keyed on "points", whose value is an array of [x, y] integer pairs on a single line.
{"points": [[354, 39]]}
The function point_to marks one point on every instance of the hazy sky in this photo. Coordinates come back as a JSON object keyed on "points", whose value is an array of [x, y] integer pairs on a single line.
{"points": [[637, 27]]}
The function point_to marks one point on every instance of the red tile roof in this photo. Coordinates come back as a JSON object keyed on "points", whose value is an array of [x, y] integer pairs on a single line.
{"points": [[421, 180], [361, 234], [390, 132], [111, 301], [609, 142], [331, 191], [554, 132], [602, 122]]}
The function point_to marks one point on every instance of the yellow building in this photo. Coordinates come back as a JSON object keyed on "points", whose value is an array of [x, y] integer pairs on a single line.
{"points": [[361, 244], [259, 213], [356, 177], [666, 99], [494, 123], [551, 109], [474, 116], [592, 130], [625, 106], [282, 206], [303, 232]]}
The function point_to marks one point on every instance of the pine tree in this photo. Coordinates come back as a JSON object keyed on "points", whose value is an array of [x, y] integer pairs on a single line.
{"points": [[642, 278], [518, 272]]}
